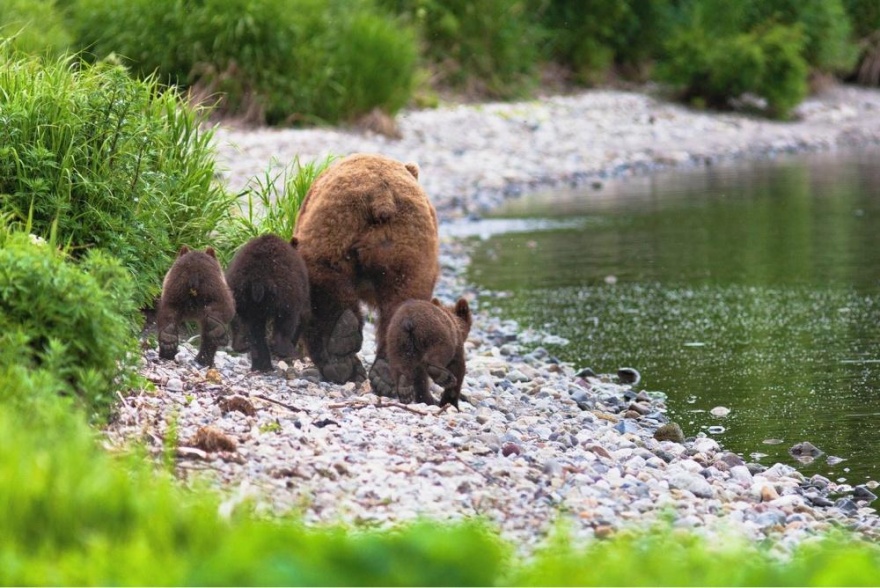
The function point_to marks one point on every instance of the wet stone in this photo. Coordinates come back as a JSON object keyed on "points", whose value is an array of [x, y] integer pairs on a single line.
{"points": [[669, 432]]}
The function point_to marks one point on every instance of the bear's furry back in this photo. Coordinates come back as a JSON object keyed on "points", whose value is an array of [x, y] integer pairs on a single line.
{"points": [[380, 219], [194, 281], [267, 272]]}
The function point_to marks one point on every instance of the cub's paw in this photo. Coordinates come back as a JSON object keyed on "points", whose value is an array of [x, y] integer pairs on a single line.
{"points": [[346, 337], [380, 378], [442, 376], [340, 370]]}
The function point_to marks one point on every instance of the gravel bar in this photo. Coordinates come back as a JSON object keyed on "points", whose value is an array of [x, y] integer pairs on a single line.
{"points": [[538, 440]]}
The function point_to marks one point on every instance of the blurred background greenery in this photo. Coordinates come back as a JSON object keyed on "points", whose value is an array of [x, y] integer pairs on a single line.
{"points": [[287, 62]]}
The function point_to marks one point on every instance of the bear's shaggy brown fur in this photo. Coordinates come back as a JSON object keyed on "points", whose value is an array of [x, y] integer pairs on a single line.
{"points": [[368, 233], [269, 282], [194, 290], [426, 339]]}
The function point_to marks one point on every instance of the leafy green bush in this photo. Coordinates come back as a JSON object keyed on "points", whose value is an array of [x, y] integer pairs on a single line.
{"points": [[713, 66], [864, 16], [488, 48], [120, 164], [33, 26], [590, 42], [73, 323], [276, 61], [828, 46]]}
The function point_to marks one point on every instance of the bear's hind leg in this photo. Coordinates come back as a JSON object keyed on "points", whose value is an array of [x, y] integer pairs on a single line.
{"points": [[345, 341], [214, 335], [261, 358], [167, 325], [284, 333]]}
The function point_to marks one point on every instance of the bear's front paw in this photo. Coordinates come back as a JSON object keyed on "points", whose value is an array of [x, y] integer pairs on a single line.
{"points": [[340, 370], [380, 378], [346, 337]]}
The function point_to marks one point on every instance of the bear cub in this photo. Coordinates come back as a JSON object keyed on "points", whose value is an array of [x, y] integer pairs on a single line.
{"points": [[269, 282], [426, 339], [194, 290]]}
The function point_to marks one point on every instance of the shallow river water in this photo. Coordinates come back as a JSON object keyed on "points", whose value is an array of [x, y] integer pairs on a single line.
{"points": [[753, 287]]}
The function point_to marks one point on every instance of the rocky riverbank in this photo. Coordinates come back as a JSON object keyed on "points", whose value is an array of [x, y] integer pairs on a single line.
{"points": [[537, 441]]}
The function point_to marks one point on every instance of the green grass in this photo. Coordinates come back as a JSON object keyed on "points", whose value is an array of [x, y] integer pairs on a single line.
{"points": [[271, 203], [115, 163]]}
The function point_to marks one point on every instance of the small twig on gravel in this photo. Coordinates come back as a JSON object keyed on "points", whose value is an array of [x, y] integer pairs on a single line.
{"points": [[287, 406], [489, 478], [379, 404]]}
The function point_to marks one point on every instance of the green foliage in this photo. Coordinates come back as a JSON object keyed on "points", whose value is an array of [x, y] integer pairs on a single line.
{"points": [[591, 37], [670, 557], [864, 15], [276, 61], [488, 47], [33, 26], [713, 65], [272, 204], [73, 515], [119, 164], [825, 24], [71, 324]]}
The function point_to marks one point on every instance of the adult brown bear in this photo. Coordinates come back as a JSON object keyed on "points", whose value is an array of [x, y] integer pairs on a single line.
{"points": [[269, 283], [368, 233], [426, 339], [194, 290]]}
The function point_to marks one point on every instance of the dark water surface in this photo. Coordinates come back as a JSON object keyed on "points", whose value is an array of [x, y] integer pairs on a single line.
{"points": [[754, 287]]}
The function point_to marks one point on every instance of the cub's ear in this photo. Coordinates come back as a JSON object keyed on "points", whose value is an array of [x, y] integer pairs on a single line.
{"points": [[294, 242], [436, 302], [210, 251], [413, 169], [463, 309], [183, 251]]}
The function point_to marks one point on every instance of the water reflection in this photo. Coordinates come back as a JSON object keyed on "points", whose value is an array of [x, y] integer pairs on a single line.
{"points": [[752, 287]]}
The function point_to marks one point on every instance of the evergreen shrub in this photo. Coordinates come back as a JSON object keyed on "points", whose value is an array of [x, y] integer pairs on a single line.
{"points": [[119, 164], [712, 63], [73, 324]]}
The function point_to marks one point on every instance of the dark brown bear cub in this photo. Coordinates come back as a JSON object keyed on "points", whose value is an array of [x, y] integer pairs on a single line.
{"points": [[194, 290], [426, 339], [368, 233], [269, 282]]}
